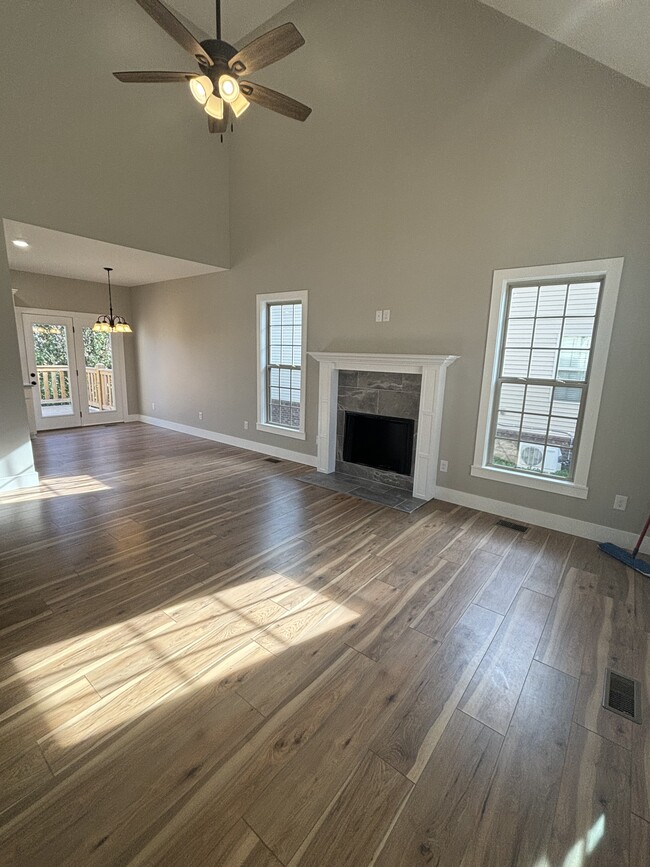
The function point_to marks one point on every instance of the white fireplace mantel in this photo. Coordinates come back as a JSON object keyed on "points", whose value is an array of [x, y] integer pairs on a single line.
{"points": [[433, 370]]}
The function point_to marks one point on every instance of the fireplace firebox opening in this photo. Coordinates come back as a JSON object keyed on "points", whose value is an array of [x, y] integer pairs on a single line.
{"points": [[379, 441]]}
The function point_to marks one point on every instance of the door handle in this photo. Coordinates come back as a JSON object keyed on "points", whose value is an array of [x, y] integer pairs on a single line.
{"points": [[28, 384]]}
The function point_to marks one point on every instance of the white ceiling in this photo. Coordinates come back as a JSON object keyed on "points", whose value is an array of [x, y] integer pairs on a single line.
{"points": [[614, 32], [64, 255]]}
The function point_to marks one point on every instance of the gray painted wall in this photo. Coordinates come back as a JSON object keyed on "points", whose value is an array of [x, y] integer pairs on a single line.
{"points": [[84, 154], [446, 141]]}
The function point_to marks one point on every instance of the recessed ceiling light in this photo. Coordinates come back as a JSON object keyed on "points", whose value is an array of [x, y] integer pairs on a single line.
{"points": [[20, 243]]}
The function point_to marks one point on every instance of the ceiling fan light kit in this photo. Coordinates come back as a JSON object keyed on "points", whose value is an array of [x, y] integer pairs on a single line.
{"points": [[222, 67]]}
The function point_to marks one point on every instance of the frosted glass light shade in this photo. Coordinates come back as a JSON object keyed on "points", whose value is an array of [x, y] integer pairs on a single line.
{"points": [[228, 88], [239, 105], [214, 107], [201, 88]]}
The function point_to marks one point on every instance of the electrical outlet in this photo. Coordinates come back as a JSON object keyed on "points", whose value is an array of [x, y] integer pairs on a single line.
{"points": [[245, 425], [200, 416], [620, 502], [153, 406], [444, 466], [386, 315], [378, 315]]}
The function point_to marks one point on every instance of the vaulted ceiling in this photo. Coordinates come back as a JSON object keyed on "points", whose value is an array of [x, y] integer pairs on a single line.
{"points": [[613, 32]]}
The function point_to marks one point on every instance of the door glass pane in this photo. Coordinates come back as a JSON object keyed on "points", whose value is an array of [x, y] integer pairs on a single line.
{"points": [[53, 368], [98, 357]]}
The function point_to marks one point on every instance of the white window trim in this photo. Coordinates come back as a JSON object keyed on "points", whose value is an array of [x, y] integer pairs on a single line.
{"points": [[609, 270], [262, 424]]}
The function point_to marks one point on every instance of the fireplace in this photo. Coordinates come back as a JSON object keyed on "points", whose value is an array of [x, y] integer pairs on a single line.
{"points": [[431, 372]]}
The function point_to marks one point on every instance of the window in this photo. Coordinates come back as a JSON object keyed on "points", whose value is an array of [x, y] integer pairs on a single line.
{"points": [[281, 348], [547, 347]]}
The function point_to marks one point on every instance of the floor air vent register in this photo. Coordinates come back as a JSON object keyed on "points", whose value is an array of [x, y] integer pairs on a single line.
{"points": [[511, 525], [622, 695]]}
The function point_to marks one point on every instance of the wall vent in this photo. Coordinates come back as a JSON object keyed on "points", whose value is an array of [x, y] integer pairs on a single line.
{"points": [[511, 525], [622, 695]]}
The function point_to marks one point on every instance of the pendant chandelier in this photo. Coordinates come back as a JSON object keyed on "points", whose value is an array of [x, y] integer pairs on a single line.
{"points": [[111, 322]]}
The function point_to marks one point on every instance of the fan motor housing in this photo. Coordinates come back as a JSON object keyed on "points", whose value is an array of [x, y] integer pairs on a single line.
{"points": [[220, 52]]}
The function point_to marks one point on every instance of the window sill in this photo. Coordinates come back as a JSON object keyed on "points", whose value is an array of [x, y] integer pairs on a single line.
{"points": [[282, 431], [555, 486]]}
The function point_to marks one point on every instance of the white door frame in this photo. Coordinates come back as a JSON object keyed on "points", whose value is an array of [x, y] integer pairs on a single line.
{"points": [[86, 418]]}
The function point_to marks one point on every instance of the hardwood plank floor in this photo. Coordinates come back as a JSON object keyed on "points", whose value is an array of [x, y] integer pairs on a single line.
{"points": [[205, 661]]}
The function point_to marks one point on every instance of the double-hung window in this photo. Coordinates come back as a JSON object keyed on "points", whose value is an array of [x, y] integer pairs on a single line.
{"points": [[281, 324], [545, 363]]}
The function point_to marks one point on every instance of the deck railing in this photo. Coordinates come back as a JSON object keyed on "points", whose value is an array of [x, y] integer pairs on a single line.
{"points": [[54, 386], [54, 383], [99, 381]]}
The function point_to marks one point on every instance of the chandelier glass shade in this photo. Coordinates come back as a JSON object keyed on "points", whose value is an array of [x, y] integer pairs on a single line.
{"points": [[111, 322]]}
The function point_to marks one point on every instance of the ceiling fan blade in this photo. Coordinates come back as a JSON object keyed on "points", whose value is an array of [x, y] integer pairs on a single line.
{"points": [[154, 77], [268, 98], [215, 125], [170, 23], [266, 49]]}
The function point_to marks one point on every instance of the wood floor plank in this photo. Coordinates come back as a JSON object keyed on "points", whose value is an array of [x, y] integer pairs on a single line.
{"points": [[639, 841], [79, 735], [22, 730], [642, 601], [169, 754], [289, 807], [493, 692], [20, 775], [546, 574], [611, 643], [517, 816], [400, 611], [440, 816], [567, 628], [241, 847], [641, 737], [505, 581], [407, 741], [592, 819], [447, 606], [249, 771], [353, 827]]}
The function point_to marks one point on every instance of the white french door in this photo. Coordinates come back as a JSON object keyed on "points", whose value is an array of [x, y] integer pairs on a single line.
{"points": [[76, 374]]}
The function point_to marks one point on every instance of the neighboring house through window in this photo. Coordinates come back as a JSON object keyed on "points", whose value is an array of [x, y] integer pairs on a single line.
{"points": [[281, 323], [548, 340]]}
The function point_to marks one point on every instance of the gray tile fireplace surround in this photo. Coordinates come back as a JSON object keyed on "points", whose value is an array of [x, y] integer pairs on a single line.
{"points": [[391, 394]]}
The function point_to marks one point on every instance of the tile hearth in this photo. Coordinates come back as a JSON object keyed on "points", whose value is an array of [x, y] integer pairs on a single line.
{"points": [[365, 489]]}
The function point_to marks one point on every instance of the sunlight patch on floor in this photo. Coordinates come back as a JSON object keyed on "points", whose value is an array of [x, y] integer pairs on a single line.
{"points": [[578, 854], [229, 632], [57, 487]]}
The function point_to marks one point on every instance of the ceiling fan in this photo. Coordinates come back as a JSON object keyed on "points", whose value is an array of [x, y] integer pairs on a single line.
{"points": [[219, 85]]}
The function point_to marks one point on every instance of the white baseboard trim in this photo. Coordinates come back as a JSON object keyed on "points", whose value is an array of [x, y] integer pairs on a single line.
{"points": [[585, 529], [17, 483], [238, 442]]}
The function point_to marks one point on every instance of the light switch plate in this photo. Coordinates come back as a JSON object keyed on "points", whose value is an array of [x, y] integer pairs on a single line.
{"points": [[444, 466], [386, 316], [378, 315]]}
